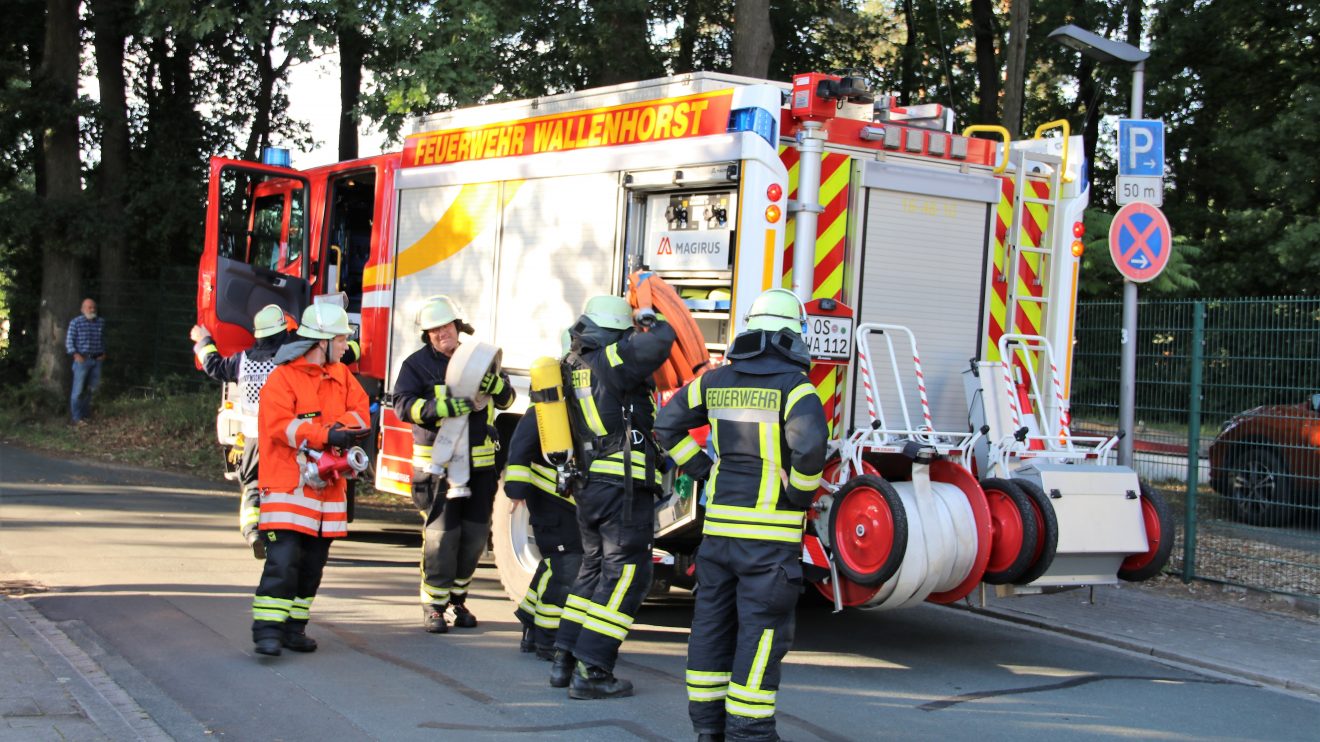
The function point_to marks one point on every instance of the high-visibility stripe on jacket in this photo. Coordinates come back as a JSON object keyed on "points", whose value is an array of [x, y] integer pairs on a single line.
{"points": [[769, 433], [299, 403]]}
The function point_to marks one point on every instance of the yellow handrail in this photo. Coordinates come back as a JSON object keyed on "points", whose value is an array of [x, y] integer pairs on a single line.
{"points": [[1067, 132], [992, 129]]}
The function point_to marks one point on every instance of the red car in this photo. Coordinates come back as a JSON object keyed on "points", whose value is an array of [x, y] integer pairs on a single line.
{"points": [[1266, 464]]}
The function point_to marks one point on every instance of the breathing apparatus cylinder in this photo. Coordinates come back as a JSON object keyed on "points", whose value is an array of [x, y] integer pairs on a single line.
{"points": [[551, 411]]}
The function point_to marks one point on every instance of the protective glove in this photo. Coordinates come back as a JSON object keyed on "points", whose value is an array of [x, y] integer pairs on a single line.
{"points": [[447, 406], [341, 438], [492, 384]]}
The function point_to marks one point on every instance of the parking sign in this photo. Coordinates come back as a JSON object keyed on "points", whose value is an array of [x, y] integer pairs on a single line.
{"points": [[1141, 147]]}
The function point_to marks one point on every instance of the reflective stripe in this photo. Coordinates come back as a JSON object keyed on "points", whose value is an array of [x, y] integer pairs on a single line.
{"points": [[460, 587], [303, 501], [432, 594], [606, 466], [792, 518], [421, 451], [291, 430], [744, 415], [760, 660], [799, 392], [606, 629], [249, 515], [801, 481], [707, 686], [698, 694], [205, 351], [764, 533], [748, 711], [768, 491], [684, 450], [415, 412], [358, 419], [301, 610], [694, 393], [612, 353], [590, 413], [754, 695], [625, 581], [267, 608]]}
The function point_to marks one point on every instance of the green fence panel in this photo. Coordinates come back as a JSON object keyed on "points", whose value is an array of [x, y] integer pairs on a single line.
{"points": [[1227, 423]]}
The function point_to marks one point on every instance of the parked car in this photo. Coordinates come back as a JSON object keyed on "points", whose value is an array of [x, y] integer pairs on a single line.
{"points": [[1266, 464]]}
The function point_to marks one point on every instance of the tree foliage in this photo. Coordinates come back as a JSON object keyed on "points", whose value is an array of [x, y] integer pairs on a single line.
{"points": [[1236, 82]]}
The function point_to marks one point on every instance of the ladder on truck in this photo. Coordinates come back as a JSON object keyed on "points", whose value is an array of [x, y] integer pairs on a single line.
{"points": [[1026, 167]]}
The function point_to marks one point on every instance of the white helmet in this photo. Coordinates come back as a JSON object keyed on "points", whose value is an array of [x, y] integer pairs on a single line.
{"points": [[323, 322], [610, 312], [777, 309], [269, 321], [439, 311]]}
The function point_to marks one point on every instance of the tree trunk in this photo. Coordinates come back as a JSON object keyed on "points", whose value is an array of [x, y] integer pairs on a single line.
{"points": [[687, 37], [987, 66], [259, 137], [352, 50], [907, 76], [753, 41], [60, 265], [1016, 77], [109, 19]]}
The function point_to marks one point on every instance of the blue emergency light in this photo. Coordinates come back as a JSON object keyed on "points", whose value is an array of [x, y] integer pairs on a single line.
{"points": [[756, 120], [277, 156]]}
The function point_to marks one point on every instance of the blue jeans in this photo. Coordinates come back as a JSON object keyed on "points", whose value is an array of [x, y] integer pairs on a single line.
{"points": [[86, 377]]}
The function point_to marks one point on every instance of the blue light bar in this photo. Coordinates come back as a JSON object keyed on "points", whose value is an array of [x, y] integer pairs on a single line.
{"points": [[278, 156], [756, 120]]}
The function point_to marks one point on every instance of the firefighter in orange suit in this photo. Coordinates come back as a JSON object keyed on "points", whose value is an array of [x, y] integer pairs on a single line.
{"points": [[310, 400]]}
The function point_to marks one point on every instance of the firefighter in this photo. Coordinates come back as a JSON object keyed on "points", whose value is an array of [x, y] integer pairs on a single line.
{"points": [[611, 411], [553, 514], [769, 433], [310, 401], [271, 327], [454, 530]]}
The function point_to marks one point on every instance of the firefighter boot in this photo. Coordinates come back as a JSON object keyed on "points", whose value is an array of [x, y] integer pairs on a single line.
{"points": [[296, 638], [269, 646], [704, 737], [527, 645], [562, 669], [591, 683], [433, 619], [463, 618]]}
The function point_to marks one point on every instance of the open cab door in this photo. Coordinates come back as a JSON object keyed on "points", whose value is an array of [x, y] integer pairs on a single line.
{"points": [[256, 249]]}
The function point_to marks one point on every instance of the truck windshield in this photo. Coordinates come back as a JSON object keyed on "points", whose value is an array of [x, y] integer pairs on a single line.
{"points": [[262, 219]]}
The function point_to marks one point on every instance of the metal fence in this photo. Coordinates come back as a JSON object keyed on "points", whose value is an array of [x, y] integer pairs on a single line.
{"points": [[1227, 426], [147, 325]]}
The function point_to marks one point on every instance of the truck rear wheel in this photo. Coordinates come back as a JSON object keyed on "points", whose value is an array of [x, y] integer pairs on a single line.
{"points": [[516, 555]]}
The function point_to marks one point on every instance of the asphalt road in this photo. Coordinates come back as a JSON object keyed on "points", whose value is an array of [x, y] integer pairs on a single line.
{"points": [[147, 573]]}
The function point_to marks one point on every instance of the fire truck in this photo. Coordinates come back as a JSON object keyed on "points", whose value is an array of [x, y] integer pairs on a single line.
{"points": [[939, 269]]}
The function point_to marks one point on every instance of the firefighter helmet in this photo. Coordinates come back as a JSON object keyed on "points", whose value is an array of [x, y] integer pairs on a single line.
{"points": [[777, 309], [609, 312], [439, 311], [323, 321], [269, 321]]}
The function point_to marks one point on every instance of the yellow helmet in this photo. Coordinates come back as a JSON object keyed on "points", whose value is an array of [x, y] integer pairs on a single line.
{"points": [[610, 312], [777, 309], [323, 321], [269, 321], [439, 311]]}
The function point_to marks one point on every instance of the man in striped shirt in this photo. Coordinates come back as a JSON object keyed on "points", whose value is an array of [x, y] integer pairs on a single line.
{"points": [[85, 341]]}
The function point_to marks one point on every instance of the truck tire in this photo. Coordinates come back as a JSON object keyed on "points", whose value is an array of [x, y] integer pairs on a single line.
{"points": [[516, 555], [1160, 533]]}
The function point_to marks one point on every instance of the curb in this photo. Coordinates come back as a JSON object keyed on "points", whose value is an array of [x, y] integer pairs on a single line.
{"points": [[1144, 649], [107, 705]]}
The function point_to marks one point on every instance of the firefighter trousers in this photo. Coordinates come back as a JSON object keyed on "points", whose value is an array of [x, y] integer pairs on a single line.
{"points": [[615, 574], [294, 564], [742, 627], [249, 504], [543, 606], [454, 534]]}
